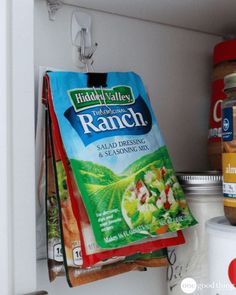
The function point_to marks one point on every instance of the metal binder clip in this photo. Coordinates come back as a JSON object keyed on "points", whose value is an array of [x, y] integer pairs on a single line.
{"points": [[81, 38]]}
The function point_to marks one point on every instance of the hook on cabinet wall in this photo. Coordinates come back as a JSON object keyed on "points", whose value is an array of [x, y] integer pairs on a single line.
{"points": [[81, 38], [53, 7]]}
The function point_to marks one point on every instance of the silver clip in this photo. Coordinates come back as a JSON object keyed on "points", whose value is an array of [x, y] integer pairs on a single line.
{"points": [[102, 98]]}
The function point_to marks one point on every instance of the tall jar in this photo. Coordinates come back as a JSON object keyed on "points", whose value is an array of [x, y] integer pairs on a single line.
{"points": [[204, 195], [229, 147], [224, 60]]}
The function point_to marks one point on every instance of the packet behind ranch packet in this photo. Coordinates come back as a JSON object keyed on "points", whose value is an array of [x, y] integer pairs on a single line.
{"points": [[118, 157], [54, 245]]}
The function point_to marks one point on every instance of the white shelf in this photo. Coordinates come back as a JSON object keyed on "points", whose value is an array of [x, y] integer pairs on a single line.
{"points": [[211, 16], [134, 282]]}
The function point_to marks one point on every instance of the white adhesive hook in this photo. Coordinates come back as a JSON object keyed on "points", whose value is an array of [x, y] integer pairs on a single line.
{"points": [[81, 38], [81, 22]]}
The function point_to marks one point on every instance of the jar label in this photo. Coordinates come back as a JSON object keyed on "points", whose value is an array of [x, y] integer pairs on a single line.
{"points": [[229, 155], [227, 125], [229, 167], [218, 96]]}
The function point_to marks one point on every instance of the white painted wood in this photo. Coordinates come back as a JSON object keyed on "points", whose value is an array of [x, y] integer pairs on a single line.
{"points": [[22, 145], [211, 16], [5, 195]]}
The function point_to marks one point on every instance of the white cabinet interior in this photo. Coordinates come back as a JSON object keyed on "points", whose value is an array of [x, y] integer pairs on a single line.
{"points": [[215, 17], [175, 64]]}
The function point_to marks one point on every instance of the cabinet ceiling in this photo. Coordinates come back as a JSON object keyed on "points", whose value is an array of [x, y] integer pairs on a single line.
{"points": [[210, 16]]}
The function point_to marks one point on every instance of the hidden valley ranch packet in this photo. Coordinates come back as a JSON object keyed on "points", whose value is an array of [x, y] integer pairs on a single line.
{"points": [[118, 157]]}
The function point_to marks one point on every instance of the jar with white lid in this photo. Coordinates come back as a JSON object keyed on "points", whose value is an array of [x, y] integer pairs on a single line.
{"points": [[203, 191], [221, 256]]}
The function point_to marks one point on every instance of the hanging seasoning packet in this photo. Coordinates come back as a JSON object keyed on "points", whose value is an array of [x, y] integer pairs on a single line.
{"points": [[79, 246], [64, 249], [118, 157]]}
